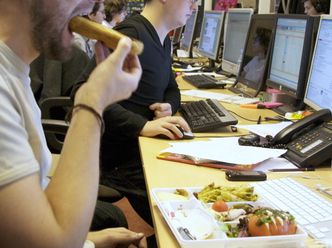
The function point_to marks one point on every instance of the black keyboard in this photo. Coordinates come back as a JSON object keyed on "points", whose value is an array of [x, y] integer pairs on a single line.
{"points": [[206, 115], [203, 81]]}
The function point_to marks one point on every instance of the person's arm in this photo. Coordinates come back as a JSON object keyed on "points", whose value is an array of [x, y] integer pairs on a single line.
{"points": [[123, 122], [60, 216]]}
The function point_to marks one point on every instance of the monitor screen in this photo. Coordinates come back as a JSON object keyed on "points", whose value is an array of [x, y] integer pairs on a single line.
{"points": [[256, 54], [290, 54], [319, 89], [177, 35], [236, 29], [188, 33], [210, 36]]}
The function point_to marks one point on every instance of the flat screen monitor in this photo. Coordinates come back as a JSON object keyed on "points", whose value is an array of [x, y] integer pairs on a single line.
{"points": [[290, 55], [211, 33], [177, 35], [253, 69], [189, 33], [319, 87], [236, 28]]}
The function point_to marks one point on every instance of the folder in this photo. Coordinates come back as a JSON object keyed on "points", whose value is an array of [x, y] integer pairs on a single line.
{"points": [[205, 163]]}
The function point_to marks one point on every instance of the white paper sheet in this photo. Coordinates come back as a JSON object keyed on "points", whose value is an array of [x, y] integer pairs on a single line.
{"points": [[224, 150], [275, 163], [266, 129], [220, 97]]}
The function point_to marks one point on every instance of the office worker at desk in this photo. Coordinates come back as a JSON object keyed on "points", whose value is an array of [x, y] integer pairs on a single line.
{"points": [[35, 212], [148, 111]]}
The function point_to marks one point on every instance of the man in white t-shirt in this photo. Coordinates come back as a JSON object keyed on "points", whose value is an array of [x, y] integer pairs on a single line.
{"points": [[33, 211]]}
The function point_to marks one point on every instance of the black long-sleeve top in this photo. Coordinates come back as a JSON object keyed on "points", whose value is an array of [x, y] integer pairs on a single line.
{"points": [[125, 120]]}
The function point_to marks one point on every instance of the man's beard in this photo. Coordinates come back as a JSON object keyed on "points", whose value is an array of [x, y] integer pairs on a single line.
{"points": [[46, 35]]}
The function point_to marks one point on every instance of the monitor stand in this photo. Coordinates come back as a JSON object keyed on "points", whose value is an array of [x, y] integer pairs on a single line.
{"points": [[210, 68], [297, 106], [221, 72]]}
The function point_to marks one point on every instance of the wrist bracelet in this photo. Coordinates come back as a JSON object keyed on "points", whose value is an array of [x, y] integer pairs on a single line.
{"points": [[89, 109]]}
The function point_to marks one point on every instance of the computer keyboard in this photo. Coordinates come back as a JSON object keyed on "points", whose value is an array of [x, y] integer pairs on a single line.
{"points": [[311, 211], [206, 115], [203, 81]]}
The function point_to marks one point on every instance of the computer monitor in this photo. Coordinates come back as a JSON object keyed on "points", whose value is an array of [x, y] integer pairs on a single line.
{"points": [[318, 93], [191, 31], [236, 28], [290, 55], [253, 69], [211, 33], [188, 34], [177, 34]]}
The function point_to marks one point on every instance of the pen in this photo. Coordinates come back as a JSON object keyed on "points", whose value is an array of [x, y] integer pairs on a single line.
{"points": [[253, 106], [293, 169]]}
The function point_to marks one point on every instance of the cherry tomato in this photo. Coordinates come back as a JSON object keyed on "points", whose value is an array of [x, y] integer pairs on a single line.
{"points": [[219, 206]]}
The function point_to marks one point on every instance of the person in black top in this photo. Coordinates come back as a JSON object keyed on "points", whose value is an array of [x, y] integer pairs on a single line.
{"points": [[148, 112]]}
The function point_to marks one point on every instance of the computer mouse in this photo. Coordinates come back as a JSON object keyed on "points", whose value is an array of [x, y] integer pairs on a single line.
{"points": [[186, 135]]}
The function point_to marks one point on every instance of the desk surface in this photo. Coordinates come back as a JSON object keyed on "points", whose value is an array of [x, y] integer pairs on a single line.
{"points": [[161, 173]]}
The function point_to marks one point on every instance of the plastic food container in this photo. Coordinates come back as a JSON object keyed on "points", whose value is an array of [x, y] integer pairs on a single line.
{"points": [[194, 225]]}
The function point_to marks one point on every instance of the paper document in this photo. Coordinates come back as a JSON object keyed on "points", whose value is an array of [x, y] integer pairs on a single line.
{"points": [[224, 150], [220, 97], [275, 163], [266, 129], [182, 53]]}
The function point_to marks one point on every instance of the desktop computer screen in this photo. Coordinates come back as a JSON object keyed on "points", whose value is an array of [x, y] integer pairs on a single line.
{"points": [[188, 33], [210, 36], [236, 29], [252, 73], [290, 55], [191, 31], [319, 87], [177, 34]]}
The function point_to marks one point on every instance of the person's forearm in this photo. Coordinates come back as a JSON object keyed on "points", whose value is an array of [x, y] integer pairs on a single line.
{"points": [[72, 191]]}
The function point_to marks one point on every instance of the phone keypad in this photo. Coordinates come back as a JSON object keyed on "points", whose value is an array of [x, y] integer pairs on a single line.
{"points": [[310, 142]]}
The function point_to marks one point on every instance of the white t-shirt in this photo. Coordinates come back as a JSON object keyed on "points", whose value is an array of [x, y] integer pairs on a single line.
{"points": [[255, 69], [23, 148]]}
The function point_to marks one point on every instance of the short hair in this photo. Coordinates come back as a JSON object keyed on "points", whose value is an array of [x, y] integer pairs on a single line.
{"points": [[95, 8], [321, 6], [263, 35], [113, 7]]}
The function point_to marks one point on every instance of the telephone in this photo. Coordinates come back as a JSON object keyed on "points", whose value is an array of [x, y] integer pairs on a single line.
{"points": [[309, 140]]}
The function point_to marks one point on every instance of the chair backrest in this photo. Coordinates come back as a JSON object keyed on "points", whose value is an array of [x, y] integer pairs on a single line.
{"points": [[55, 128]]}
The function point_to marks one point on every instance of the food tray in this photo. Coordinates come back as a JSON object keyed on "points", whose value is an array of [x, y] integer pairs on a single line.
{"points": [[189, 217]]}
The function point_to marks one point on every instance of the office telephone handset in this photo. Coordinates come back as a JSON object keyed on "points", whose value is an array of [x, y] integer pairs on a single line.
{"points": [[309, 141]]}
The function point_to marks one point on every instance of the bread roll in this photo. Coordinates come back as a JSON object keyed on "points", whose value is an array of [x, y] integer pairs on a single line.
{"points": [[94, 30]]}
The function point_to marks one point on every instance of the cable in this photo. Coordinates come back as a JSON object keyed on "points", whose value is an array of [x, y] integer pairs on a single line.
{"points": [[244, 118]]}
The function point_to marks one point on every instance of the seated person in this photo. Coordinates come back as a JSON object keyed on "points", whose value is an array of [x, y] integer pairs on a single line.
{"points": [[148, 111], [254, 69], [115, 11], [316, 7], [97, 15], [36, 211]]}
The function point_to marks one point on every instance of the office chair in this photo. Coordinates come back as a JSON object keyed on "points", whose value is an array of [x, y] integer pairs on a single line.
{"points": [[55, 131]]}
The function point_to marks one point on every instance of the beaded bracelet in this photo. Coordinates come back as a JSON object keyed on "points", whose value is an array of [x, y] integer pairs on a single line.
{"points": [[89, 109]]}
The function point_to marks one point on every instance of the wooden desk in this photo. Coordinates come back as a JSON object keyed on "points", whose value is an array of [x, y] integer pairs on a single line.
{"points": [[160, 173]]}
